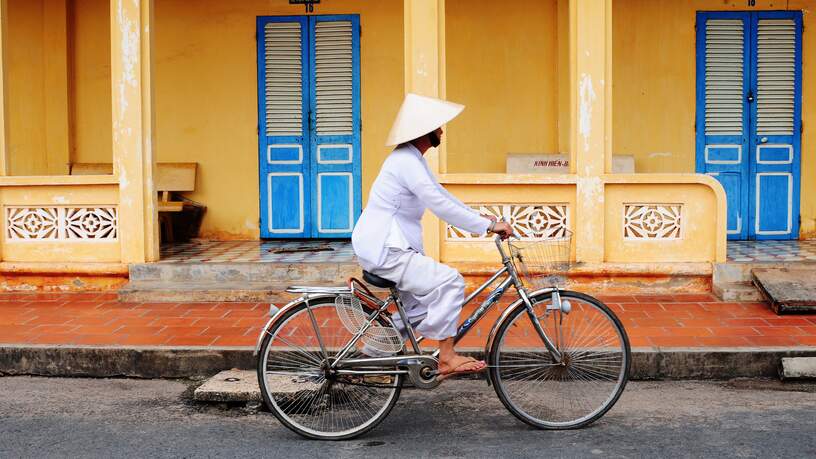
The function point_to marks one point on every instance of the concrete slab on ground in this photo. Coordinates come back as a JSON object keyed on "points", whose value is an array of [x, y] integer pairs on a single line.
{"points": [[230, 386], [798, 368], [790, 289]]}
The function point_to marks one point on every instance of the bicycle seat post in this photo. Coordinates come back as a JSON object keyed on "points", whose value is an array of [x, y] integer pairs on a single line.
{"points": [[404, 318]]}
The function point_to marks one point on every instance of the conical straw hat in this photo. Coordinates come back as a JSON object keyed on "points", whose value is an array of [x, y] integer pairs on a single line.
{"points": [[420, 115]]}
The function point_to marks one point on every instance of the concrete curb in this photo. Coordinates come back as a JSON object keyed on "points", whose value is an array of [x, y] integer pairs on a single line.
{"points": [[185, 362]]}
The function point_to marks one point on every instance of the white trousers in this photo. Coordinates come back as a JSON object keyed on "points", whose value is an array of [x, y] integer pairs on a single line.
{"points": [[431, 293]]}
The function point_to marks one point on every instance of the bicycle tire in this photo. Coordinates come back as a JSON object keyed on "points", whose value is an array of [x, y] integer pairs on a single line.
{"points": [[511, 401], [280, 411]]}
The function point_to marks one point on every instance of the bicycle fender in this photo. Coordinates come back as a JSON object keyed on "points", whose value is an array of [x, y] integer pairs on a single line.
{"points": [[272, 320], [519, 303]]}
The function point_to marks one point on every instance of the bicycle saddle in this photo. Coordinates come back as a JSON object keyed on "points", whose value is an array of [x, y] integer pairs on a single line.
{"points": [[377, 281]]}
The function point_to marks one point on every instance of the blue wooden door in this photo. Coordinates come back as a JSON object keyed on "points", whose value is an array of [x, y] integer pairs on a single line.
{"points": [[748, 117], [309, 126]]}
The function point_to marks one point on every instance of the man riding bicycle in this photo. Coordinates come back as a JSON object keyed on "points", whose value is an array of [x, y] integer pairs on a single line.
{"points": [[388, 236]]}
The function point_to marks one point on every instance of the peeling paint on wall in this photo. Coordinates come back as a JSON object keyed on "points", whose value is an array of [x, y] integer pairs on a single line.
{"points": [[587, 95]]}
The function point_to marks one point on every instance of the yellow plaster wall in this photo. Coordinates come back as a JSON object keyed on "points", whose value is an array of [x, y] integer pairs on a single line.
{"points": [[58, 84], [25, 82], [91, 81], [654, 86], [60, 195], [206, 96], [501, 63], [698, 241]]}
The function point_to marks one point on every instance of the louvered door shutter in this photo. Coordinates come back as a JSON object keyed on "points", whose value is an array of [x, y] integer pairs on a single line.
{"points": [[724, 76], [722, 116], [333, 77], [336, 135], [776, 56], [283, 95], [283, 126]]}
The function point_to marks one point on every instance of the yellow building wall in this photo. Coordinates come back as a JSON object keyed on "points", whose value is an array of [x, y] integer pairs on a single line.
{"points": [[501, 63], [206, 96], [91, 82], [654, 77], [24, 86]]}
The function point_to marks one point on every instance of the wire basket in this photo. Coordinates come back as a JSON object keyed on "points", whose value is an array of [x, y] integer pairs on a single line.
{"points": [[382, 338], [542, 263]]}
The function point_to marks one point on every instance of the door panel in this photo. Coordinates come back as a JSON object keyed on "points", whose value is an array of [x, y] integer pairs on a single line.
{"points": [[283, 126], [722, 109], [775, 125], [732, 183], [335, 141]]}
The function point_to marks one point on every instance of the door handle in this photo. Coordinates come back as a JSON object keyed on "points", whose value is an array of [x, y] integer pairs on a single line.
{"points": [[763, 140], [750, 97]]}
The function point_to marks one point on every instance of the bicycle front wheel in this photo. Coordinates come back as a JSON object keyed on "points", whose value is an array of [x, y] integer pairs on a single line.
{"points": [[298, 387], [582, 387]]}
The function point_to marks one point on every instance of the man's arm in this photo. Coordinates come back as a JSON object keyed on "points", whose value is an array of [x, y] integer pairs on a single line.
{"points": [[417, 178]]}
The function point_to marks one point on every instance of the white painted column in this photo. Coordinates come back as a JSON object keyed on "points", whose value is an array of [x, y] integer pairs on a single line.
{"points": [[133, 119]]}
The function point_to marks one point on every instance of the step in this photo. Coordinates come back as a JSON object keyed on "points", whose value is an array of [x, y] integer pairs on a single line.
{"points": [[736, 291], [790, 289], [230, 386], [243, 282], [175, 292], [246, 272]]}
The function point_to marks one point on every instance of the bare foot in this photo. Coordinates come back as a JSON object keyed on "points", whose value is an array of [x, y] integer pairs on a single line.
{"points": [[460, 364]]}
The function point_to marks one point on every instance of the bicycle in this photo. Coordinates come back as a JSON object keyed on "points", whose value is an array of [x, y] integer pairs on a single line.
{"points": [[331, 364]]}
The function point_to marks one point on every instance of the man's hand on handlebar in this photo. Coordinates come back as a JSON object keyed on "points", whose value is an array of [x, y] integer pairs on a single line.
{"points": [[503, 229]]}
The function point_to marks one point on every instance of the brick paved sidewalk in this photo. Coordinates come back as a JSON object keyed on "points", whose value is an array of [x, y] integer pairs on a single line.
{"points": [[99, 319]]}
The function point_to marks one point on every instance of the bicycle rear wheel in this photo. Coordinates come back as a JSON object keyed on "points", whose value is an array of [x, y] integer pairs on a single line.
{"points": [[567, 395], [302, 394]]}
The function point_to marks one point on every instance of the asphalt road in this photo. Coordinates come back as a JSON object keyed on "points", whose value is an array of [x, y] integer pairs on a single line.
{"points": [[53, 417]]}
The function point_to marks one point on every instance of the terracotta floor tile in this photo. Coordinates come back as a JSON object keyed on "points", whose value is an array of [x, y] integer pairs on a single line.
{"points": [[690, 331], [734, 331], [779, 331], [50, 329], [239, 314], [745, 322], [183, 331], [724, 341], [771, 340], [225, 331], [97, 329], [657, 323], [808, 330], [787, 321], [234, 341], [647, 331], [675, 341], [809, 340], [172, 322], [189, 341], [639, 341], [141, 340], [139, 330], [99, 339], [708, 322], [215, 313]]}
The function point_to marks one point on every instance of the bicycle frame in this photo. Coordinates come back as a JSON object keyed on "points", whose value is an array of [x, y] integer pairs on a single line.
{"points": [[495, 295]]}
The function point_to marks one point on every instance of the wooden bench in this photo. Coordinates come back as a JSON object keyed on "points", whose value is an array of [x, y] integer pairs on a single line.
{"points": [[170, 178]]}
